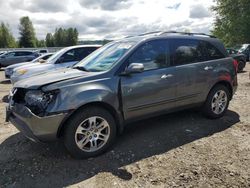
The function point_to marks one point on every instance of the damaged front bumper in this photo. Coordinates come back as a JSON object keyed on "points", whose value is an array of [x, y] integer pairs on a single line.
{"points": [[34, 127]]}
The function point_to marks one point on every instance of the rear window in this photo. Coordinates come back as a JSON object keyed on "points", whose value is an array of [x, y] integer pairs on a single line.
{"points": [[212, 52], [43, 51]]}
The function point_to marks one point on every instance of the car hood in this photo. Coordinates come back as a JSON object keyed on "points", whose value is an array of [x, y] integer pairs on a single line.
{"points": [[17, 65], [40, 80], [29, 65]]}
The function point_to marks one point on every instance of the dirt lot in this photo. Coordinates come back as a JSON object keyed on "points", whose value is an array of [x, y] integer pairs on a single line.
{"points": [[183, 149]]}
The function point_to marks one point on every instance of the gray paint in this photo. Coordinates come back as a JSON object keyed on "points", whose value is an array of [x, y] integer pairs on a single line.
{"points": [[134, 96]]}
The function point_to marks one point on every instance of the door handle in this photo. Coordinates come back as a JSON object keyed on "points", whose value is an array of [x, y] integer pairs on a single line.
{"points": [[165, 76], [208, 68]]}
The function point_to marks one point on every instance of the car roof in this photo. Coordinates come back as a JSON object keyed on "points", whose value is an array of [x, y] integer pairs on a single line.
{"points": [[22, 51], [170, 34], [84, 46]]}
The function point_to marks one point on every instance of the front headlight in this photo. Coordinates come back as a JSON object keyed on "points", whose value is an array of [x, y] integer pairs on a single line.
{"points": [[37, 101], [22, 71], [9, 71]]}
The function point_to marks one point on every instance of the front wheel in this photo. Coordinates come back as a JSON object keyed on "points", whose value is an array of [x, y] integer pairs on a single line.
{"points": [[217, 102], [241, 66], [89, 132]]}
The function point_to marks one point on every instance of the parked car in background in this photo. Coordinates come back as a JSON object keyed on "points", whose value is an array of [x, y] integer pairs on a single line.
{"points": [[15, 57], [245, 49], [239, 57], [2, 52], [42, 51], [126, 80], [41, 59], [66, 57]]}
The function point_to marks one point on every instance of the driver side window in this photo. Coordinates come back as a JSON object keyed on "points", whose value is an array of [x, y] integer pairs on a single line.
{"points": [[152, 54], [69, 56]]}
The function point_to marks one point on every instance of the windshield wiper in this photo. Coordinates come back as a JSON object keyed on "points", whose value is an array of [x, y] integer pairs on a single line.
{"points": [[81, 68]]}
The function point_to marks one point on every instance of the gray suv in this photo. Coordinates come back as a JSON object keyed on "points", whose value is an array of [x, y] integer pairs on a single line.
{"points": [[14, 57], [88, 105]]}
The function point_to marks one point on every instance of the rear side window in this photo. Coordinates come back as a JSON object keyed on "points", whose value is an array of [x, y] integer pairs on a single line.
{"points": [[187, 51], [152, 54], [23, 53], [212, 52]]}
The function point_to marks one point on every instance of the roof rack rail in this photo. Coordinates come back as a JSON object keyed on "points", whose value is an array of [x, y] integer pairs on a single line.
{"points": [[149, 33], [143, 34], [186, 33]]}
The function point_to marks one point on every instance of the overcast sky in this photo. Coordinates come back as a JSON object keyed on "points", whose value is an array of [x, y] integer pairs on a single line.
{"points": [[98, 19]]}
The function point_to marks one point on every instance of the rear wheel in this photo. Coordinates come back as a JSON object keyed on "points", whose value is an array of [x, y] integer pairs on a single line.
{"points": [[217, 102], [90, 132]]}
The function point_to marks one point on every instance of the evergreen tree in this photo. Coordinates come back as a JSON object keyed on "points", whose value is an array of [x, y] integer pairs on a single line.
{"points": [[27, 33], [49, 40], [6, 38]]}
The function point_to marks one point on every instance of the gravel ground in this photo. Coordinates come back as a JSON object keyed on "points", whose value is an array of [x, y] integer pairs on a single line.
{"points": [[183, 149]]}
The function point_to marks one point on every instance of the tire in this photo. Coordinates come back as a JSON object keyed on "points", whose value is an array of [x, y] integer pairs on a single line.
{"points": [[79, 144], [210, 107], [241, 66]]}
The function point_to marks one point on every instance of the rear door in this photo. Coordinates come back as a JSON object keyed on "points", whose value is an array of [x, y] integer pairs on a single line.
{"points": [[188, 57], [28, 56], [152, 90]]}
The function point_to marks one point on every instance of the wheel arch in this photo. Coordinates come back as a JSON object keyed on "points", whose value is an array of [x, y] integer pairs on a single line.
{"points": [[226, 84], [117, 117]]}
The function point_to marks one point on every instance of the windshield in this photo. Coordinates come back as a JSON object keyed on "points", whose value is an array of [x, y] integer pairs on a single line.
{"points": [[38, 58], [55, 56], [105, 58]]}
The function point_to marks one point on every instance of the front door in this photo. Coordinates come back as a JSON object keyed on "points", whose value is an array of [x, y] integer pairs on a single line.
{"points": [[152, 90]]}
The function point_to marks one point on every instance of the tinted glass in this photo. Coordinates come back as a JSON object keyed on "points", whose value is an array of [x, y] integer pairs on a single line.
{"points": [[213, 52], [23, 53], [83, 52], [153, 55], [187, 51], [43, 51], [69, 56]]}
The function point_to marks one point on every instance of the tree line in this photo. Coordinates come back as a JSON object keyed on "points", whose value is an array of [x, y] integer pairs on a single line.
{"points": [[232, 22], [61, 37]]}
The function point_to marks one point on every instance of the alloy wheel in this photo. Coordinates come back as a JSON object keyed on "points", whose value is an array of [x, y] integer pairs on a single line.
{"points": [[92, 134]]}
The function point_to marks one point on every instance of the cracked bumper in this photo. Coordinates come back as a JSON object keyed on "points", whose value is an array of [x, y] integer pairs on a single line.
{"points": [[38, 129]]}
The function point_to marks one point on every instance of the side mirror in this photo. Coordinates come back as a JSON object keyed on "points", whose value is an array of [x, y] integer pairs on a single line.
{"points": [[134, 68]]}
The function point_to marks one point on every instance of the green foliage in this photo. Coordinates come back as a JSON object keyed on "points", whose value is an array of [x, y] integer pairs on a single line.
{"points": [[27, 33], [61, 38], [65, 37], [232, 24], [49, 40], [40, 43], [6, 38]]}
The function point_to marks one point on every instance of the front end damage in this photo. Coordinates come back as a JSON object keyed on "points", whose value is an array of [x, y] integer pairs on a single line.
{"points": [[27, 112]]}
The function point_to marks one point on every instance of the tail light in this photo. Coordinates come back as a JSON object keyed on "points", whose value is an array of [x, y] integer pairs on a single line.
{"points": [[235, 63]]}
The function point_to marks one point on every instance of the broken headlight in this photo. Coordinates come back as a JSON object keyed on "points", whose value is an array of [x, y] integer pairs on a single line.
{"points": [[37, 101]]}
